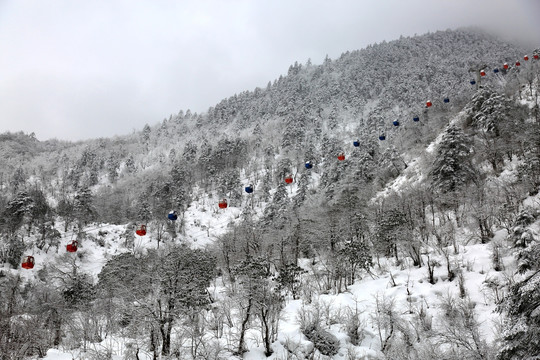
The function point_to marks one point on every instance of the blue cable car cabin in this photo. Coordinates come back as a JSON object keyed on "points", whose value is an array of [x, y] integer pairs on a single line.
{"points": [[172, 215], [356, 143], [395, 123], [309, 165], [249, 189], [416, 119], [382, 137], [473, 82], [446, 100], [496, 70]]}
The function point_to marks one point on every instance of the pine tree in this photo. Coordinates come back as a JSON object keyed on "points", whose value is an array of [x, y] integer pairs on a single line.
{"points": [[83, 206], [521, 335], [113, 164], [145, 136], [452, 168], [130, 165], [276, 213], [18, 179], [181, 182], [190, 151], [144, 213], [17, 211], [499, 124]]}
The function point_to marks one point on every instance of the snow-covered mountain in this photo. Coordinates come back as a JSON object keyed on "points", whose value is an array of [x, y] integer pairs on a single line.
{"points": [[411, 234]]}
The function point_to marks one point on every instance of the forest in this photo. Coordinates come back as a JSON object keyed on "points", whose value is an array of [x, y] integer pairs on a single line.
{"points": [[381, 205]]}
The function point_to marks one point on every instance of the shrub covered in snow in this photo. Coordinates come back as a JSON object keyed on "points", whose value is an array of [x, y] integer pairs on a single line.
{"points": [[323, 341]]}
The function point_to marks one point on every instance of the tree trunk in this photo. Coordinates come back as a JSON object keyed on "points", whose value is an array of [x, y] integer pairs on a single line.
{"points": [[57, 323], [297, 245], [241, 348], [485, 232], [166, 329], [266, 332], [153, 345]]}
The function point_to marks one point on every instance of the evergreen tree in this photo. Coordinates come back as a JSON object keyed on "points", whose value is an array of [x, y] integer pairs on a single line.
{"points": [[145, 136], [521, 333], [83, 207], [18, 210], [276, 213], [144, 212], [130, 165], [452, 168], [181, 182], [112, 168], [18, 179], [500, 125], [190, 151]]}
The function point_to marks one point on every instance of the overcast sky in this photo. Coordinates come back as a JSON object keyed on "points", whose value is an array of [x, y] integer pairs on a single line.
{"points": [[75, 70]]}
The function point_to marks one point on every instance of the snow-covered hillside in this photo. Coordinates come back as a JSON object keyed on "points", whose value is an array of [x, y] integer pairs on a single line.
{"points": [[394, 215]]}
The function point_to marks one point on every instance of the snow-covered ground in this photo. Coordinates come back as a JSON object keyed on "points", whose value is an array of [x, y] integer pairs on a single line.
{"points": [[408, 286]]}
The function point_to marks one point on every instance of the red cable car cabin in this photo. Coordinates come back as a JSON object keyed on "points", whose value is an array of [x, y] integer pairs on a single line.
{"points": [[289, 179], [341, 157], [72, 246], [526, 58], [28, 262], [141, 230], [505, 66], [223, 204], [428, 103], [535, 56], [518, 63], [482, 73]]}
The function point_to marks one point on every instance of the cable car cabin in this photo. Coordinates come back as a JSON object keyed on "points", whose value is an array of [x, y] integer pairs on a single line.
{"points": [[356, 143], [141, 230], [496, 70], [526, 58], [518, 63], [505, 66], [341, 157], [482, 73], [172, 216], [416, 119], [289, 179], [428, 103], [473, 82], [223, 204], [382, 137], [249, 189], [395, 123], [309, 165], [28, 262], [446, 100], [72, 246], [535, 56]]}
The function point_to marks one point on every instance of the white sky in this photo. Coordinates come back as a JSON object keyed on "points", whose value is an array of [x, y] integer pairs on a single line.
{"points": [[74, 69]]}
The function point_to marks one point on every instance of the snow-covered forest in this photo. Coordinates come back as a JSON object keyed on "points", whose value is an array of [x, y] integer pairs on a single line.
{"points": [[382, 205]]}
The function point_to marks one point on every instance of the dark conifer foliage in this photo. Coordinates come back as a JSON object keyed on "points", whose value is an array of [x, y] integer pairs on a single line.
{"points": [[522, 329], [452, 168]]}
